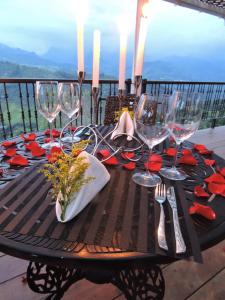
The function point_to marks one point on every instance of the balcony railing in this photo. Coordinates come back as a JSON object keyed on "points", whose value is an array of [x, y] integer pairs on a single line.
{"points": [[18, 111]]}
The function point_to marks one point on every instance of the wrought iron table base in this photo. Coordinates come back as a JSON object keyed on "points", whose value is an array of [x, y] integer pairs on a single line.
{"points": [[135, 282]]}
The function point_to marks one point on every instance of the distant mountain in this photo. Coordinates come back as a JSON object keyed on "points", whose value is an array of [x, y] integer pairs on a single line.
{"points": [[12, 70]]}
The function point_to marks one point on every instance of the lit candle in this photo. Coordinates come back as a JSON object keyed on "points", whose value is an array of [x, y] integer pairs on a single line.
{"points": [[80, 45], [122, 68], [141, 46], [96, 59]]}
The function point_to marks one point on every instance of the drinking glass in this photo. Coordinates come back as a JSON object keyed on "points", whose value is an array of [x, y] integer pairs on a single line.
{"points": [[48, 105], [69, 95], [151, 124], [187, 116]]}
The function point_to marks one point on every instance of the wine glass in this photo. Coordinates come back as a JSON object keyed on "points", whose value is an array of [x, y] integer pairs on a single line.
{"points": [[151, 121], [48, 105], [187, 116], [69, 95]]}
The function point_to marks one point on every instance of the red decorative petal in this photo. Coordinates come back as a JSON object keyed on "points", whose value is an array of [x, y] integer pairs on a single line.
{"points": [[130, 166], [47, 140], [199, 147], [199, 191], [186, 152], [215, 178], [203, 210], [206, 152], [54, 154], [170, 152], [127, 155], [153, 166], [31, 145], [10, 152], [155, 158], [56, 149], [7, 144], [104, 153], [29, 138], [216, 188], [18, 160], [72, 128], [55, 132], [37, 151], [112, 161], [209, 162], [222, 171], [188, 160]]}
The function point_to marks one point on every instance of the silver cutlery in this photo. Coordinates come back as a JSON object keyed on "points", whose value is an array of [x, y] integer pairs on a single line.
{"points": [[160, 197], [180, 244]]}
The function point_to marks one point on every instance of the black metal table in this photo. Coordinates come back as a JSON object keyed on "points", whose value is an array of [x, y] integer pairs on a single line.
{"points": [[28, 230]]}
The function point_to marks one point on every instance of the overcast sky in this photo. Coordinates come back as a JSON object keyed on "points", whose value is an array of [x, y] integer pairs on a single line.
{"points": [[38, 25]]}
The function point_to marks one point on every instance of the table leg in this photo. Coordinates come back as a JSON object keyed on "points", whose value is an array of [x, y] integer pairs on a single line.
{"points": [[135, 282], [52, 280]]}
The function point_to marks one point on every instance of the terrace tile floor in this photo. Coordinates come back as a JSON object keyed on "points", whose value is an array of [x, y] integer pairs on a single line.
{"points": [[184, 280]]}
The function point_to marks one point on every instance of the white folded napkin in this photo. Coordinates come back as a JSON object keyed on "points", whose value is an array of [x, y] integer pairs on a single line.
{"points": [[81, 199], [125, 125]]}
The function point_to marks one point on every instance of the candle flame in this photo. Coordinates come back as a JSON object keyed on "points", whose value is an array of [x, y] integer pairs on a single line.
{"points": [[146, 10], [82, 12]]}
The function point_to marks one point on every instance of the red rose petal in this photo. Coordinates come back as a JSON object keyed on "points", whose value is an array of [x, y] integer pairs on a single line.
{"points": [[153, 166], [186, 152], [7, 144], [18, 160], [222, 172], [188, 160], [55, 132], [31, 137], [10, 152], [215, 178], [104, 153], [199, 147], [206, 152], [54, 154], [127, 155], [112, 161], [216, 188], [37, 151], [31, 145], [72, 128], [209, 162], [170, 152], [203, 210], [155, 158], [200, 192], [130, 166]]}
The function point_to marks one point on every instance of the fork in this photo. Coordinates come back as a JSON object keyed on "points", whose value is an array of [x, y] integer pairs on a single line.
{"points": [[160, 197]]}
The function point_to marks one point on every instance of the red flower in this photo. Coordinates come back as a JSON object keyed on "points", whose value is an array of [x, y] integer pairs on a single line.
{"points": [[154, 163], [209, 162], [130, 166], [54, 154], [186, 152], [31, 137], [31, 146], [188, 160], [7, 144], [112, 161], [127, 155], [222, 171], [199, 191], [18, 160], [215, 178], [203, 210], [37, 151], [170, 152], [216, 188], [104, 153], [10, 152], [55, 132]]}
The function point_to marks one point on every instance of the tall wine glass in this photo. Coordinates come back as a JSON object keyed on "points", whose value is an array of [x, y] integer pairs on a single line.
{"points": [[187, 117], [151, 124], [48, 105], [69, 95]]}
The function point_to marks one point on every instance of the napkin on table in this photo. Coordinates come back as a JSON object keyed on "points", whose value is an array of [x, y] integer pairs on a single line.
{"points": [[81, 199], [125, 125]]}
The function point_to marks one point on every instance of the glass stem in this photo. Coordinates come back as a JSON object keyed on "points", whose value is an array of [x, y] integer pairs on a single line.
{"points": [[51, 136], [71, 131], [176, 155], [149, 156]]}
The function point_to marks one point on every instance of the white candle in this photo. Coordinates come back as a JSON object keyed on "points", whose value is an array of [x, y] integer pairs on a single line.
{"points": [[96, 59], [122, 68], [141, 46], [80, 45]]}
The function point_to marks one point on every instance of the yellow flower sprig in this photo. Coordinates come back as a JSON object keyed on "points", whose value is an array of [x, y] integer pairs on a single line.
{"points": [[124, 109], [67, 175]]}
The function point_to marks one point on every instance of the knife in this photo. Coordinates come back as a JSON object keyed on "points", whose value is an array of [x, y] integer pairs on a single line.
{"points": [[180, 244]]}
